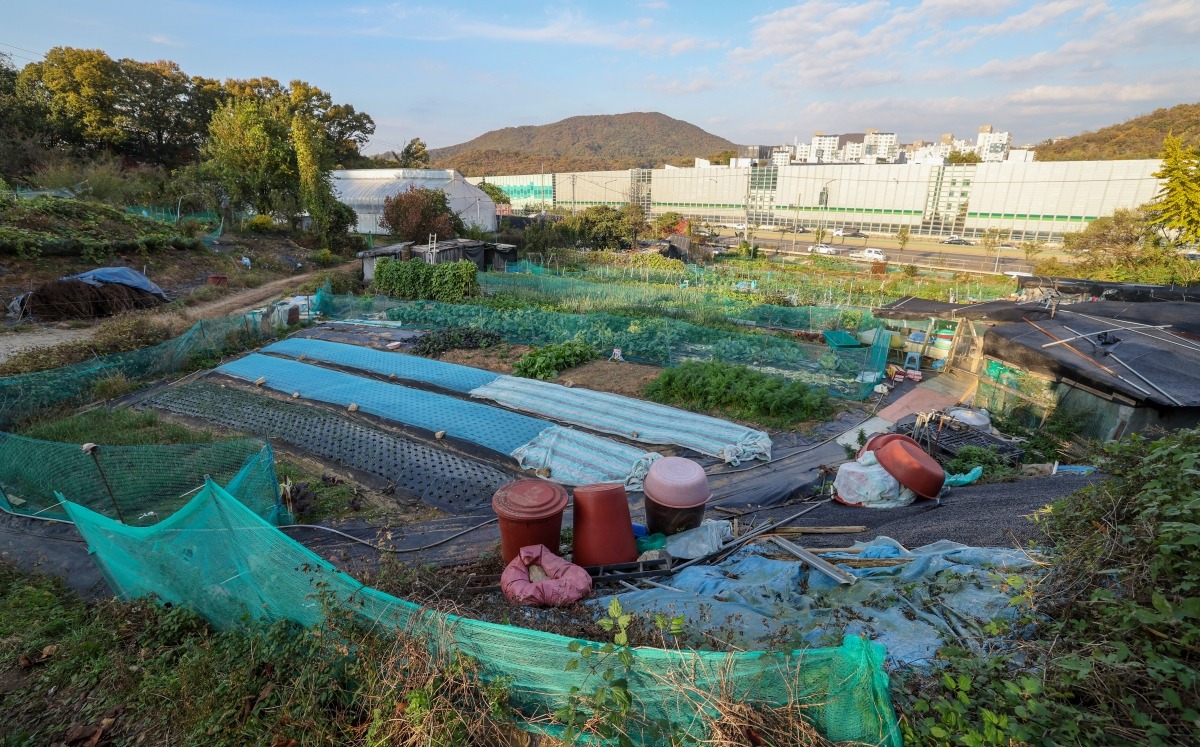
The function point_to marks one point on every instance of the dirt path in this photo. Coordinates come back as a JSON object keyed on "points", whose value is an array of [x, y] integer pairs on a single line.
{"points": [[242, 301]]}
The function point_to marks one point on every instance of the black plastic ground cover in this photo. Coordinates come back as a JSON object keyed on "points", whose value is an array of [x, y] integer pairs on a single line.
{"points": [[445, 480]]}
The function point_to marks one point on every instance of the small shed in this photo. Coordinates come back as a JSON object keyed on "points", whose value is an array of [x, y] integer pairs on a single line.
{"points": [[371, 256]]}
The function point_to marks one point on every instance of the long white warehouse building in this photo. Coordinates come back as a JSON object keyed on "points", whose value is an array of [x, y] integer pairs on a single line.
{"points": [[1033, 201]]}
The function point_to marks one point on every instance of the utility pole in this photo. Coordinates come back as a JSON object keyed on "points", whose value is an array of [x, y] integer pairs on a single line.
{"points": [[573, 205]]}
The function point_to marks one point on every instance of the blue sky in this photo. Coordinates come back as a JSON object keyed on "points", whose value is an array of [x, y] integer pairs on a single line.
{"points": [[753, 72]]}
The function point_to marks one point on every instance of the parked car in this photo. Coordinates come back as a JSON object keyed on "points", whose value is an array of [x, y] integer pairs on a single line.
{"points": [[958, 242], [739, 226], [823, 249], [870, 254], [856, 235]]}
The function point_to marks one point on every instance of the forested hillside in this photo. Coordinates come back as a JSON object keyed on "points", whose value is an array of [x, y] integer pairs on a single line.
{"points": [[1138, 138], [609, 141]]}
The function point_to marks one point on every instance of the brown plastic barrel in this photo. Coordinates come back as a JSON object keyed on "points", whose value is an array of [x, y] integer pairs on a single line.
{"points": [[603, 533], [670, 520], [530, 513]]}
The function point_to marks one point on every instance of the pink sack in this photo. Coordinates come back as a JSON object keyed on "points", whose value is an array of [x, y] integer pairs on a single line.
{"points": [[539, 578]]}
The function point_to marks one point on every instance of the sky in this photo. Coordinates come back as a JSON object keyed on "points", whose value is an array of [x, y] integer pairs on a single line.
{"points": [[752, 72]]}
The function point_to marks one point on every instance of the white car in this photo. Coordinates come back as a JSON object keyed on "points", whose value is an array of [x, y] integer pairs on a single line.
{"points": [[823, 249], [870, 254], [739, 226]]}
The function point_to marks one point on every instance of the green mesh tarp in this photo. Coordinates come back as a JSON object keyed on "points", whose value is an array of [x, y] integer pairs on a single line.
{"points": [[137, 485], [218, 557], [25, 395]]}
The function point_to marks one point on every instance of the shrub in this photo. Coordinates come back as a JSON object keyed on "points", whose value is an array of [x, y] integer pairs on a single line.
{"points": [[403, 279], [547, 362], [324, 258], [739, 392], [413, 279], [259, 224], [454, 281]]}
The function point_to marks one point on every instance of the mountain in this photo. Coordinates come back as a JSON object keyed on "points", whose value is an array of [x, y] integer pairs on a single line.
{"points": [[589, 143], [1138, 138]]}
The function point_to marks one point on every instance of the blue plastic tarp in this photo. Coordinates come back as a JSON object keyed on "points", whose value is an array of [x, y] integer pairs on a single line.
{"points": [[939, 594], [119, 276]]}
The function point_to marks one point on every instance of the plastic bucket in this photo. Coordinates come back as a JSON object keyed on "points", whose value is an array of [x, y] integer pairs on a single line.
{"points": [[530, 513], [670, 520], [218, 279], [676, 493], [603, 532]]}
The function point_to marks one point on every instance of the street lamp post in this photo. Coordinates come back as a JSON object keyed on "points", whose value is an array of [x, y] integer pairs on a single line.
{"points": [[824, 203]]}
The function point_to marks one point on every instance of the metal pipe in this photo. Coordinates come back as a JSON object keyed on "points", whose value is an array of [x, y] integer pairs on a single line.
{"points": [[734, 544], [1159, 389], [816, 563]]}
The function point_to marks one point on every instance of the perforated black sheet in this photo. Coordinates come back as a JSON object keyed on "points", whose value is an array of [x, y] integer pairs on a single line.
{"points": [[448, 481]]}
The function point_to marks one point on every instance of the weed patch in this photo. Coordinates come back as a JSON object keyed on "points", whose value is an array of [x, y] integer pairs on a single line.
{"points": [[739, 392], [116, 428], [1107, 649], [118, 335]]}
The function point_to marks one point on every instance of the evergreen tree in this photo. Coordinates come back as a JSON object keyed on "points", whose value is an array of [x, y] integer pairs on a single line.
{"points": [[1177, 206]]}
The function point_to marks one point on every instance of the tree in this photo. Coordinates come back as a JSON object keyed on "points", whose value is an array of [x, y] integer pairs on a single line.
{"points": [[1120, 247], [418, 213], [722, 158], [496, 194], [1031, 250], [963, 156], [1176, 209], [667, 224], [249, 151], [79, 90], [633, 222], [991, 241], [903, 236], [414, 155]]}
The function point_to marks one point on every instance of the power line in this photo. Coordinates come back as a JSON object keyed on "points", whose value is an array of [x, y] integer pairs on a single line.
{"points": [[30, 51]]}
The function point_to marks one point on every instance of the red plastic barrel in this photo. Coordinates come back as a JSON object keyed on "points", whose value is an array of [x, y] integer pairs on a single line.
{"points": [[530, 513], [603, 529]]}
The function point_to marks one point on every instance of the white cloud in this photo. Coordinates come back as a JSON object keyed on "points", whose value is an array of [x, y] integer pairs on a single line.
{"points": [[698, 83], [165, 40]]}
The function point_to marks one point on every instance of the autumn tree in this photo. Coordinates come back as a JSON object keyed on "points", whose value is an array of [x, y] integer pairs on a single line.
{"points": [[667, 224], [1176, 209], [418, 213]]}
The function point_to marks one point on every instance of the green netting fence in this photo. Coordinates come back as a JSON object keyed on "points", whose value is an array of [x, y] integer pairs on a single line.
{"points": [[216, 556], [820, 280], [844, 372], [26, 395], [582, 295], [136, 485]]}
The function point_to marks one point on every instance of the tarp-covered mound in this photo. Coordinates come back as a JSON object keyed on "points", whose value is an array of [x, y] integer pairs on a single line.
{"points": [[101, 292]]}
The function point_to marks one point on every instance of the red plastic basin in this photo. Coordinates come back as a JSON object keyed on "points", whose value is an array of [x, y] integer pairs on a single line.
{"points": [[912, 467]]}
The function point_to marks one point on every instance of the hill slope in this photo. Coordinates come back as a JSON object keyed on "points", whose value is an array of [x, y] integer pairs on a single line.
{"points": [[617, 141], [1138, 138]]}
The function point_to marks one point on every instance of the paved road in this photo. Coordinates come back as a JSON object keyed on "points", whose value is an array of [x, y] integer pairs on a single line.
{"points": [[949, 256]]}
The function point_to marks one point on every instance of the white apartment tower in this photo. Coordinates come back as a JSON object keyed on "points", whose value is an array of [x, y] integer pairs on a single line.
{"points": [[880, 147], [823, 148], [992, 146]]}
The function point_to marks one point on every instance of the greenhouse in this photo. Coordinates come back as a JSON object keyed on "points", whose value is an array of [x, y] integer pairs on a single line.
{"points": [[366, 189]]}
